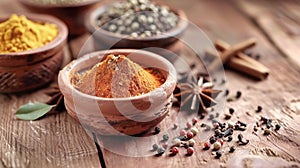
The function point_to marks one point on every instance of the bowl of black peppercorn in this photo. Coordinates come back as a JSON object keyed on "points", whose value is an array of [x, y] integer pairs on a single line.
{"points": [[136, 24]]}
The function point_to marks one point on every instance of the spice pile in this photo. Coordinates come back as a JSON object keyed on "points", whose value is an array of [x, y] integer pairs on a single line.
{"points": [[58, 2], [137, 18], [117, 76], [20, 34]]}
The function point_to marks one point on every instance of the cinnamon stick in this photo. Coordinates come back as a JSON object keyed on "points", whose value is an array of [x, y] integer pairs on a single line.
{"points": [[244, 63], [231, 51]]}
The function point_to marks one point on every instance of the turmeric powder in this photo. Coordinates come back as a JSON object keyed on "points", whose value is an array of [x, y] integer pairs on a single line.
{"points": [[20, 34], [117, 77]]}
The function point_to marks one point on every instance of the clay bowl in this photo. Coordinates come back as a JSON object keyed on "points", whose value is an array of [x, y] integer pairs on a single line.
{"points": [[71, 14], [31, 69], [118, 116], [113, 40]]}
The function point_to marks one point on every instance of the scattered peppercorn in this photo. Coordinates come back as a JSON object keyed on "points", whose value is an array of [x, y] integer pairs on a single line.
{"points": [[255, 128], [223, 81], [175, 126], [194, 120], [190, 150], [189, 125], [154, 147], [194, 130], [221, 142], [206, 145], [165, 137], [259, 109], [182, 133], [156, 130], [174, 150], [160, 151], [277, 127], [257, 56], [176, 142], [190, 135], [165, 145], [217, 145], [231, 149], [229, 138], [226, 92], [191, 142], [212, 139], [267, 131], [227, 116], [218, 154], [238, 94], [231, 110]]}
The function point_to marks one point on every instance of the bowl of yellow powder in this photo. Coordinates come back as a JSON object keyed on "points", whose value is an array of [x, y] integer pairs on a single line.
{"points": [[120, 91], [31, 51], [72, 12]]}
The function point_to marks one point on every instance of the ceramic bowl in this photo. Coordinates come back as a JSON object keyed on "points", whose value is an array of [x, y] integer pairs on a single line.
{"points": [[31, 69], [71, 14], [118, 116], [113, 40]]}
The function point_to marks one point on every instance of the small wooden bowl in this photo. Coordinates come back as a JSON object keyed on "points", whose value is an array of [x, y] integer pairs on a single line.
{"points": [[28, 70], [118, 116], [114, 40], [71, 14]]}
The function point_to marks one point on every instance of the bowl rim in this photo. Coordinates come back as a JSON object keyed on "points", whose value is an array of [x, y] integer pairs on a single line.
{"points": [[50, 6], [43, 18], [96, 12], [172, 74]]}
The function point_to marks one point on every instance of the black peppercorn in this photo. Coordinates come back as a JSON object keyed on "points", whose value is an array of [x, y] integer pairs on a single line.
{"points": [[165, 137], [238, 94], [231, 149], [218, 154], [229, 138], [160, 151], [212, 140], [231, 110], [156, 130], [259, 108], [240, 137], [257, 56], [227, 116], [277, 127], [154, 147], [226, 92]]}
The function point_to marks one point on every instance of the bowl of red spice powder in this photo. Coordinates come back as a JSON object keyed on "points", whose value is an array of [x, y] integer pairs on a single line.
{"points": [[118, 92]]}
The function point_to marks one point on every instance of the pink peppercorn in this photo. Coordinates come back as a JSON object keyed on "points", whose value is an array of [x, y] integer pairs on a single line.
{"points": [[190, 135], [182, 133], [206, 145], [221, 141], [190, 150], [165, 145], [216, 125], [195, 120], [174, 150], [189, 125]]}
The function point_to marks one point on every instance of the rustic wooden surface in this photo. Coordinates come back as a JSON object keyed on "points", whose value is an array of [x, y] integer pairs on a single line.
{"points": [[58, 141]]}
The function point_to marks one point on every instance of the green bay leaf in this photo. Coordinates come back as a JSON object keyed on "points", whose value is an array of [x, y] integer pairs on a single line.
{"points": [[33, 111]]}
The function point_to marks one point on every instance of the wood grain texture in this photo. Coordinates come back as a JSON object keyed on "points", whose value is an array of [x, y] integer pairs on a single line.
{"points": [[280, 21], [278, 95]]}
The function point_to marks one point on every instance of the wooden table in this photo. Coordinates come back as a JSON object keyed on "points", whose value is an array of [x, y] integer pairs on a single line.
{"points": [[59, 141]]}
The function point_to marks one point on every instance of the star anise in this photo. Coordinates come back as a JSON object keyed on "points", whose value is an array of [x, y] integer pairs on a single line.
{"points": [[56, 99], [201, 92]]}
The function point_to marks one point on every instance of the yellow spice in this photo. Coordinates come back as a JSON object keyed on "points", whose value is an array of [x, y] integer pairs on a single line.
{"points": [[20, 34]]}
